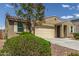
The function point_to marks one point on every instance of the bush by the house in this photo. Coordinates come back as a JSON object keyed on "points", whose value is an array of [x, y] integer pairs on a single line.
{"points": [[76, 35], [26, 44]]}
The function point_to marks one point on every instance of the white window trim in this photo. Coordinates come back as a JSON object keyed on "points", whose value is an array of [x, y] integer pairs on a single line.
{"points": [[15, 27]]}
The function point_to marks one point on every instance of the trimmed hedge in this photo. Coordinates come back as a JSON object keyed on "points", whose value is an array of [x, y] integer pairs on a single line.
{"points": [[76, 36], [26, 44]]}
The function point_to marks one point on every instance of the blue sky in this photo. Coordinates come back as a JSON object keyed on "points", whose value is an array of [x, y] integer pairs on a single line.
{"points": [[62, 10]]}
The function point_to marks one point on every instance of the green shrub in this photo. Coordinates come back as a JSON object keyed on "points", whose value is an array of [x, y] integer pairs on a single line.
{"points": [[26, 44], [25, 33], [76, 35]]}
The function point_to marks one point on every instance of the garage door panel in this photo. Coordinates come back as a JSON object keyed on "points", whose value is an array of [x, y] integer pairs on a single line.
{"points": [[44, 32]]}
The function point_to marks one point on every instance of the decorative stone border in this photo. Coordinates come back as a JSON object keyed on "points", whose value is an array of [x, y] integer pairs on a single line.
{"points": [[61, 51]]}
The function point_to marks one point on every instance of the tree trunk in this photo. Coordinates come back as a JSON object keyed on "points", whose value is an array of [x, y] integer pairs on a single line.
{"points": [[33, 26], [29, 26]]}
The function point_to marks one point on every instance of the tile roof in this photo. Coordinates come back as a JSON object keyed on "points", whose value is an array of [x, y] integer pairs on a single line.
{"points": [[15, 18]]}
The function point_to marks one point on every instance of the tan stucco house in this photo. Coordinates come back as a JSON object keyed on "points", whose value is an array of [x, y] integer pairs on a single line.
{"points": [[52, 27]]}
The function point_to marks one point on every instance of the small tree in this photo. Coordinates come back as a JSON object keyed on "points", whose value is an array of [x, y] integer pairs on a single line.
{"points": [[6, 26], [31, 12]]}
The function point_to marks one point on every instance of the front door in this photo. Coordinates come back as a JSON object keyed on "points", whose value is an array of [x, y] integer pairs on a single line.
{"points": [[58, 30]]}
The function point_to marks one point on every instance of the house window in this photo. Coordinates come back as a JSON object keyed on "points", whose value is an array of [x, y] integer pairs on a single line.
{"points": [[71, 29], [20, 27]]}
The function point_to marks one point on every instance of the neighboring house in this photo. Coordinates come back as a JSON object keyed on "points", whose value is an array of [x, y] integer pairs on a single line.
{"points": [[1, 37], [76, 23], [52, 27], [1, 34]]}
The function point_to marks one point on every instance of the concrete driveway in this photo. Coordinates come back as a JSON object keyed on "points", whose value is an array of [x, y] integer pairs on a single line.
{"points": [[65, 42]]}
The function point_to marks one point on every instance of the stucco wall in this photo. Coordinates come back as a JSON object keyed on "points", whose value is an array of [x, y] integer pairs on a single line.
{"points": [[52, 20], [12, 29], [69, 33], [76, 23]]}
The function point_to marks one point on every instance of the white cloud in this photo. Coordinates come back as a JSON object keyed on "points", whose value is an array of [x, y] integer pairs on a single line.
{"points": [[67, 17], [65, 6], [76, 15], [7, 5], [68, 6], [2, 27]]}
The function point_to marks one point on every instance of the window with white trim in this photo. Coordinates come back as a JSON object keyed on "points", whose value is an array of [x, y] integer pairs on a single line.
{"points": [[20, 27]]}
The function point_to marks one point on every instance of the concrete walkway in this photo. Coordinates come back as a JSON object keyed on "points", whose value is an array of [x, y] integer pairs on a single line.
{"points": [[65, 42]]}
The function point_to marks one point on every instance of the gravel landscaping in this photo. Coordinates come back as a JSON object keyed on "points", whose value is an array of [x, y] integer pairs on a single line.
{"points": [[62, 51]]}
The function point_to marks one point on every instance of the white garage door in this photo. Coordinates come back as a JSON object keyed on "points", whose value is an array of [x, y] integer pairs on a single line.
{"points": [[45, 32]]}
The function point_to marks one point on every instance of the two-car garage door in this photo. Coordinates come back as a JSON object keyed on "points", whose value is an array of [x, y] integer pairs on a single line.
{"points": [[45, 32]]}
